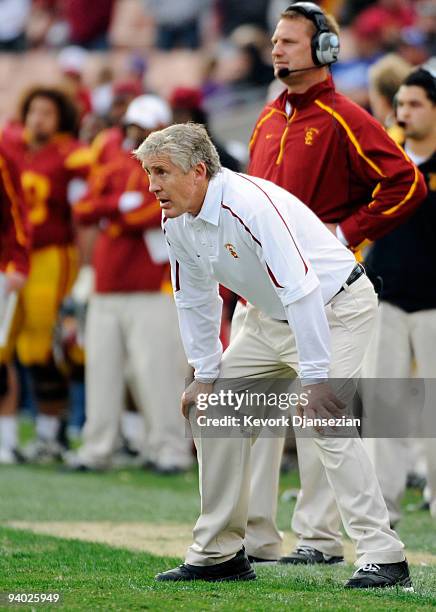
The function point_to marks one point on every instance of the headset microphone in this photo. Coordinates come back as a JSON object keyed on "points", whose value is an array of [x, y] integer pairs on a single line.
{"points": [[285, 72]]}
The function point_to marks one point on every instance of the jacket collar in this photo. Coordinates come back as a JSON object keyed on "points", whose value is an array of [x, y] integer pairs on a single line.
{"points": [[302, 100]]}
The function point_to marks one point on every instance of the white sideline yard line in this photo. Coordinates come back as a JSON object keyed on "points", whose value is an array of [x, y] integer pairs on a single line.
{"points": [[167, 540]]}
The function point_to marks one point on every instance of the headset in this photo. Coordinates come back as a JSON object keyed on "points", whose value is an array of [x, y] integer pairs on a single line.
{"points": [[325, 44]]}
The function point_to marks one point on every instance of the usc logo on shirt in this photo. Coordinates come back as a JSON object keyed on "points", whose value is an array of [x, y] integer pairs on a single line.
{"points": [[310, 134], [231, 249]]}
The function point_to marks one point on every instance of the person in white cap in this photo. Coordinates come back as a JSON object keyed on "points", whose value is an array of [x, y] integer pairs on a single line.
{"points": [[71, 62], [131, 330]]}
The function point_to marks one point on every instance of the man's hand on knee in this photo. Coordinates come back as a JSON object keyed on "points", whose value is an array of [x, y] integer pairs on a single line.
{"points": [[191, 393], [322, 403]]}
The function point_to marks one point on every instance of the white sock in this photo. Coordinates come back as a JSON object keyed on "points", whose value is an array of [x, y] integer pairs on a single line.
{"points": [[47, 427], [8, 432], [133, 429]]}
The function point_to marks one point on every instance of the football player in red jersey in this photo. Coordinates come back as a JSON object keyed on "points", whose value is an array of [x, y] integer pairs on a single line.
{"points": [[14, 268], [53, 168]]}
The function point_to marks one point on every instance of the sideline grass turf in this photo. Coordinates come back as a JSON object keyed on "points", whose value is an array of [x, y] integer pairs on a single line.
{"points": [[97, 577], [38, 493]]}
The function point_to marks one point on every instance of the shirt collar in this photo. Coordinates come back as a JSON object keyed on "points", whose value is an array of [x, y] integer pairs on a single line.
{"points": [[210, 211]]}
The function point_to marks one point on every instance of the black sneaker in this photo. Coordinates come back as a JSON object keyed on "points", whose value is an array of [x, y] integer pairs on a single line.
{"points": [[254, 559], [77, 468], [238, 568], [167, 470], [381, 575], [306, 555], [415, 481]]}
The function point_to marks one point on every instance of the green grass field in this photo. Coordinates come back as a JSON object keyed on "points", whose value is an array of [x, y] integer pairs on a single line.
{"points": [[92, 576]]}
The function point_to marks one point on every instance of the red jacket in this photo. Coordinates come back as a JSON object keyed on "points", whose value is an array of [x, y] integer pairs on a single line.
{"points": [[45, 177], [106, 145], [14, 226], [338, 160], [121, 259]]}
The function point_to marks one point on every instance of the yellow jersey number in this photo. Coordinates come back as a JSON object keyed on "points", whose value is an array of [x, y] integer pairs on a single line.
{"points": [[36, 189]]}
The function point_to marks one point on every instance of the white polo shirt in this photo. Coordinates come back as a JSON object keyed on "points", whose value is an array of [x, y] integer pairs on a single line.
{"points": [[256, 239]]}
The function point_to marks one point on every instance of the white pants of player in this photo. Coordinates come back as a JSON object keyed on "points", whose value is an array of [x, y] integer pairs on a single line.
{"points": [[138, 333], [401, 338], [267, 346]]}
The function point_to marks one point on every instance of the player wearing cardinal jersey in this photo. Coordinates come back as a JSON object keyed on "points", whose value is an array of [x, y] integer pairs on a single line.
{"points": [[132, 317], [14, 265], [53, 167], [14, 226]]}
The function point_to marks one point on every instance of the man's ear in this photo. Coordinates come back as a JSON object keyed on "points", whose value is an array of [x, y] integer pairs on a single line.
{"points": [[200, 171]]}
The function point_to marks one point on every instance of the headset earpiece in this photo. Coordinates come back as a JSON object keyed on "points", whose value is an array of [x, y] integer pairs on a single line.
{"points": [[325, 47], [325, 44]]}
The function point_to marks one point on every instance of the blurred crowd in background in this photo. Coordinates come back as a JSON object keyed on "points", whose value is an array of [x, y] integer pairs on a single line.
{"points": [[221, 47], [203, 60]]}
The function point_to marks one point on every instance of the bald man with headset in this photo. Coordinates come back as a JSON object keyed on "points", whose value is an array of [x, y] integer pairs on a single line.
{"points": [[335, 157]]}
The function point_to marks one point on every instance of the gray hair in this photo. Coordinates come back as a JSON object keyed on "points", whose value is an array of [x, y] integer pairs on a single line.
{"points": [[186, 144]]}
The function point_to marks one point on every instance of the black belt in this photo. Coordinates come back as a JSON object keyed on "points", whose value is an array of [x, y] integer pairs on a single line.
{"points": [[356, 273]]}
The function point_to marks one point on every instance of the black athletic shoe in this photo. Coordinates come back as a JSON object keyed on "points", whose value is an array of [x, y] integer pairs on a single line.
{"points": [[77, 468], [238, 568], [415, 481], [168, 470], [306, 555], [253, 559], [381, 575]]}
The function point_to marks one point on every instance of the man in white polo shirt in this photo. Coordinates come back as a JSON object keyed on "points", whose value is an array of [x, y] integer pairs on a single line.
{"points": [[265, 245]]}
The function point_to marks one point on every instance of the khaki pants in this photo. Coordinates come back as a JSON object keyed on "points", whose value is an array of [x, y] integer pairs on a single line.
{"points": [[135, 334], [267, 346], [400, 339]]}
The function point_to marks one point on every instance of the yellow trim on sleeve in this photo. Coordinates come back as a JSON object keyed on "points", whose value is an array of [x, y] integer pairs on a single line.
{"points": [[358, 251], [408, 196], [351, 136], [353, 139], [9, 188], [376, 190], [412, 188], [79, 158], [374, 193]]}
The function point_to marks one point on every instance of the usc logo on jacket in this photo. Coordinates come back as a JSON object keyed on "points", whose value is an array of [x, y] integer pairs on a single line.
{"points": [[310, 134]]}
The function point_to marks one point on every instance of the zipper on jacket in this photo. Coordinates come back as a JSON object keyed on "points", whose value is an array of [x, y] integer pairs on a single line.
{"points": [[283, 138]]}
